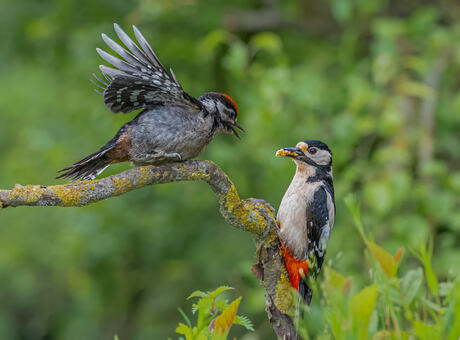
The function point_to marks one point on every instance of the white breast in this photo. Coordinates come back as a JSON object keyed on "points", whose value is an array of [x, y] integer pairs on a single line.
{"points": [[292, 213]]}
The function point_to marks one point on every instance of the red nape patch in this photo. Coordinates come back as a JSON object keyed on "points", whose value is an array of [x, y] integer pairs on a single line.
{"points": [[294, 266], [232, 101]]}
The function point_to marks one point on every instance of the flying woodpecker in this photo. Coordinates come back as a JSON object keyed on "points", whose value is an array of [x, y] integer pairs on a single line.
{"points": [[306, 213], [173, 125]]}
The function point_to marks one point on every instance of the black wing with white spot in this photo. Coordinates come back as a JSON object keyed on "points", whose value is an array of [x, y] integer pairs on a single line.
{"points": [[139, 80], [319, 228]]}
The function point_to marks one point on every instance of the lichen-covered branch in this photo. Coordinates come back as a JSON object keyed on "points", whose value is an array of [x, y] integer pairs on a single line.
{"points": [[252, 215]]}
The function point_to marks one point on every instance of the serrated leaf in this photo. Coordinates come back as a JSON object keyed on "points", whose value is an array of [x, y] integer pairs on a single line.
{"points": [[204, 304], [411, 283], [220, 305], [384, 258], [197, 293], [184, 330], [194, 308], [225, 320], [243, 321], [361, 307], [219, 291]]}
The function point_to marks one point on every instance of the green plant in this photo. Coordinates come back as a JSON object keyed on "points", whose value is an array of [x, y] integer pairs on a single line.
{"points": [[215, 316], [392, 305]]}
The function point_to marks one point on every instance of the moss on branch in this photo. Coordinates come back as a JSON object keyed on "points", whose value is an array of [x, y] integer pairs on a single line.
{"points": [[251, 215]]}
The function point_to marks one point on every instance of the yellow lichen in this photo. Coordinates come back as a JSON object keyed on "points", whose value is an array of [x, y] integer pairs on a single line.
{"points": [[145, 175], [252, 216], [28, 193], [283, 300], [121, 185], [70, 194], [257, 223], [231, 198], [200, 174], [91, 184], [271, 214]]}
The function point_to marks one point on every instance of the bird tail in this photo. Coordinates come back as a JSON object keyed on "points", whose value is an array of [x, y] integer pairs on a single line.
{"points": [[303, 297], [89, 167], [305, 291]]}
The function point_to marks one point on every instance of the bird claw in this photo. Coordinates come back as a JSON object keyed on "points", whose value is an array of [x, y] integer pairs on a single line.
{"points": [[177, 155]]}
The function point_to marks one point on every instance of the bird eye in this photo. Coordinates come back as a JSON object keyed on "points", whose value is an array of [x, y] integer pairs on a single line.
{"points": [[312, 150]]}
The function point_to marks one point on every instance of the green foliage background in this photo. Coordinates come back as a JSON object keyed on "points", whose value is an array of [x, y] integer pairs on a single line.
{"points": [[377, 80]]}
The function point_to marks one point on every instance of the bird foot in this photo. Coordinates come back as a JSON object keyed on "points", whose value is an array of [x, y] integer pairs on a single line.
{"points": [[175, 155]]}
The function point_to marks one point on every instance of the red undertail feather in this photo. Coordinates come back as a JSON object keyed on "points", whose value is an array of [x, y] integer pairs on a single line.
{"points": [[294, 266]]}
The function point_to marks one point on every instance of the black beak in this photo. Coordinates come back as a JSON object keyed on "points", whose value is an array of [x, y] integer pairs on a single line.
{"points": [[239, 127], [290, 152], [235, 124]]}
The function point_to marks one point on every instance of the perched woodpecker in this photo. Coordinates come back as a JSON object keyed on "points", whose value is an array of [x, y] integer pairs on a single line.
{"points": [[306, 214], [173, 125]]}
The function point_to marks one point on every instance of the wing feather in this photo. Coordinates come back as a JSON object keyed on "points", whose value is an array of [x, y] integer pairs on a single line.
{"points": [[118, 63], [147, 49], [131, 45], [139, 79], [122, 52], [318, 228]]}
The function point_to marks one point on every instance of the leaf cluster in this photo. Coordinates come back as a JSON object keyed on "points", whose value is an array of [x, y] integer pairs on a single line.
{"points": [[410, 305], [215, 316]]}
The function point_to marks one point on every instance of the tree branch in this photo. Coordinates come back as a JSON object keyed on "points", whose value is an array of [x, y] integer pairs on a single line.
{"points": [[252, 215]]}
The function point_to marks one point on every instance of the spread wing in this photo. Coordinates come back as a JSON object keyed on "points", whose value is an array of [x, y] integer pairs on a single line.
{"points": [[139, 80], [319, 227]]}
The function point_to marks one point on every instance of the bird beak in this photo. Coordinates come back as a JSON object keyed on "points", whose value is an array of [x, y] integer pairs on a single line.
{"points": [[289, 152], [239, 127], [235, 124]]}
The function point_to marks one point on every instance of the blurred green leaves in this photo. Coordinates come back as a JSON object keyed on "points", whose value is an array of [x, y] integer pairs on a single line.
{"points": [[356, 74], [410, 284], [361, 307], [390, 306]]}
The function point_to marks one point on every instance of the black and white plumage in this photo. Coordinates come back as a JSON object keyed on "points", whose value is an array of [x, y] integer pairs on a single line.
{"points": [[140, 80], [307, 212], [173, 125]]}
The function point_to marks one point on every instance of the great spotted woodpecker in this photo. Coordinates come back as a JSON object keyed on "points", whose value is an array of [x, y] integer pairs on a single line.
{"points": [[173, 125], [306, 214]]}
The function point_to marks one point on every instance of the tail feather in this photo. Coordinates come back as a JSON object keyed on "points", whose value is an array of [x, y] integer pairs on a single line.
{"points": [[303, 297], [305, 291], [89, 167]]}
